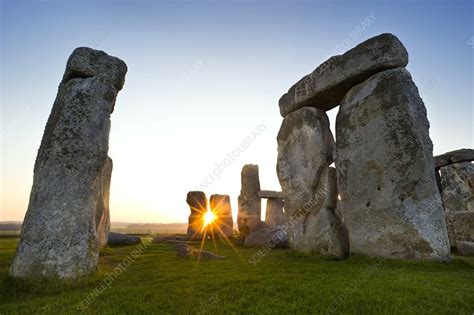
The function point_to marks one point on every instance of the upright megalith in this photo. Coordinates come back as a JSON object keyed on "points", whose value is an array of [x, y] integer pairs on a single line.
{"points": [[457, 191], [460, 226], [197, 202], [457, 186], [325, 233], [325, 87], [389, 203], [102, 215], [305, 151], [384, 159], [248, 217], [274, 214], [224, 225], [59, 237]]}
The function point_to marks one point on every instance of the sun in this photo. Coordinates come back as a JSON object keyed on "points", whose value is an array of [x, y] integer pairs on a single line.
{"points": [[209, 217]]}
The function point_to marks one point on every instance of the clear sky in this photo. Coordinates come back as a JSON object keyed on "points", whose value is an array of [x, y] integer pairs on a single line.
{"points": [[202, 77]]}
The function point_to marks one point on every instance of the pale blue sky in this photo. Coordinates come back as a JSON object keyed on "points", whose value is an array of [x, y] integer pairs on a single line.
{"points": [[202, 76]]}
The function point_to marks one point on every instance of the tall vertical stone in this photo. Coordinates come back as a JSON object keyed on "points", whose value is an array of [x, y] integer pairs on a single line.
{"points": [[220, 205], [59, 237], [102, 215], [248, 217], [460, 226], [389, 198], [457, 186], [274, 214], [197, 202], [305, 151], [325, 233]]}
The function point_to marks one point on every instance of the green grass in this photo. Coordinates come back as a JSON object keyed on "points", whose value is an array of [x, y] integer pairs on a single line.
{"points": [[281, 282]]}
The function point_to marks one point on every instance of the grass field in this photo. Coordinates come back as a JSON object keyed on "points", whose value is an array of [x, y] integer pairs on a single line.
{"points": [[282, 282]]}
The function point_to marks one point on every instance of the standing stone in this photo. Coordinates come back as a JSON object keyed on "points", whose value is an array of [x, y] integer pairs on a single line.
{"points": [[59, 237], [325, 87], [220, 205], [457, 186], [102, 215], [389, 199], [248, 217], [325, 232], [274, 214], [460, 226], [305, 151], [197, 202]]}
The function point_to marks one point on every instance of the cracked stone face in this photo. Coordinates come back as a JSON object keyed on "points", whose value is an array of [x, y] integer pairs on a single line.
{"points": [[457, 186], [389, 198], [59, 237], [305, 151]]}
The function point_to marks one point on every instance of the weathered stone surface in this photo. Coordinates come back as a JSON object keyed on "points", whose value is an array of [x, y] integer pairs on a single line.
{"points": [[86, 63], [270, 194], [220, 205], [273, 237], [197, 201], [59, 237], [117, 239], [465, 248], [254, 224], [325, 232], [168, 238], [305, 151], [102, 214], [457, 156], [274, 214], [327, 235], [248, 216], [183, 250], [457, 186], [389, 199], [460, 226], [325, 87]]}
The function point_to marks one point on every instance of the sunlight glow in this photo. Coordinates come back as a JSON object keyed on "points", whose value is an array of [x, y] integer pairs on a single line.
{"points": [[209, 217]]}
